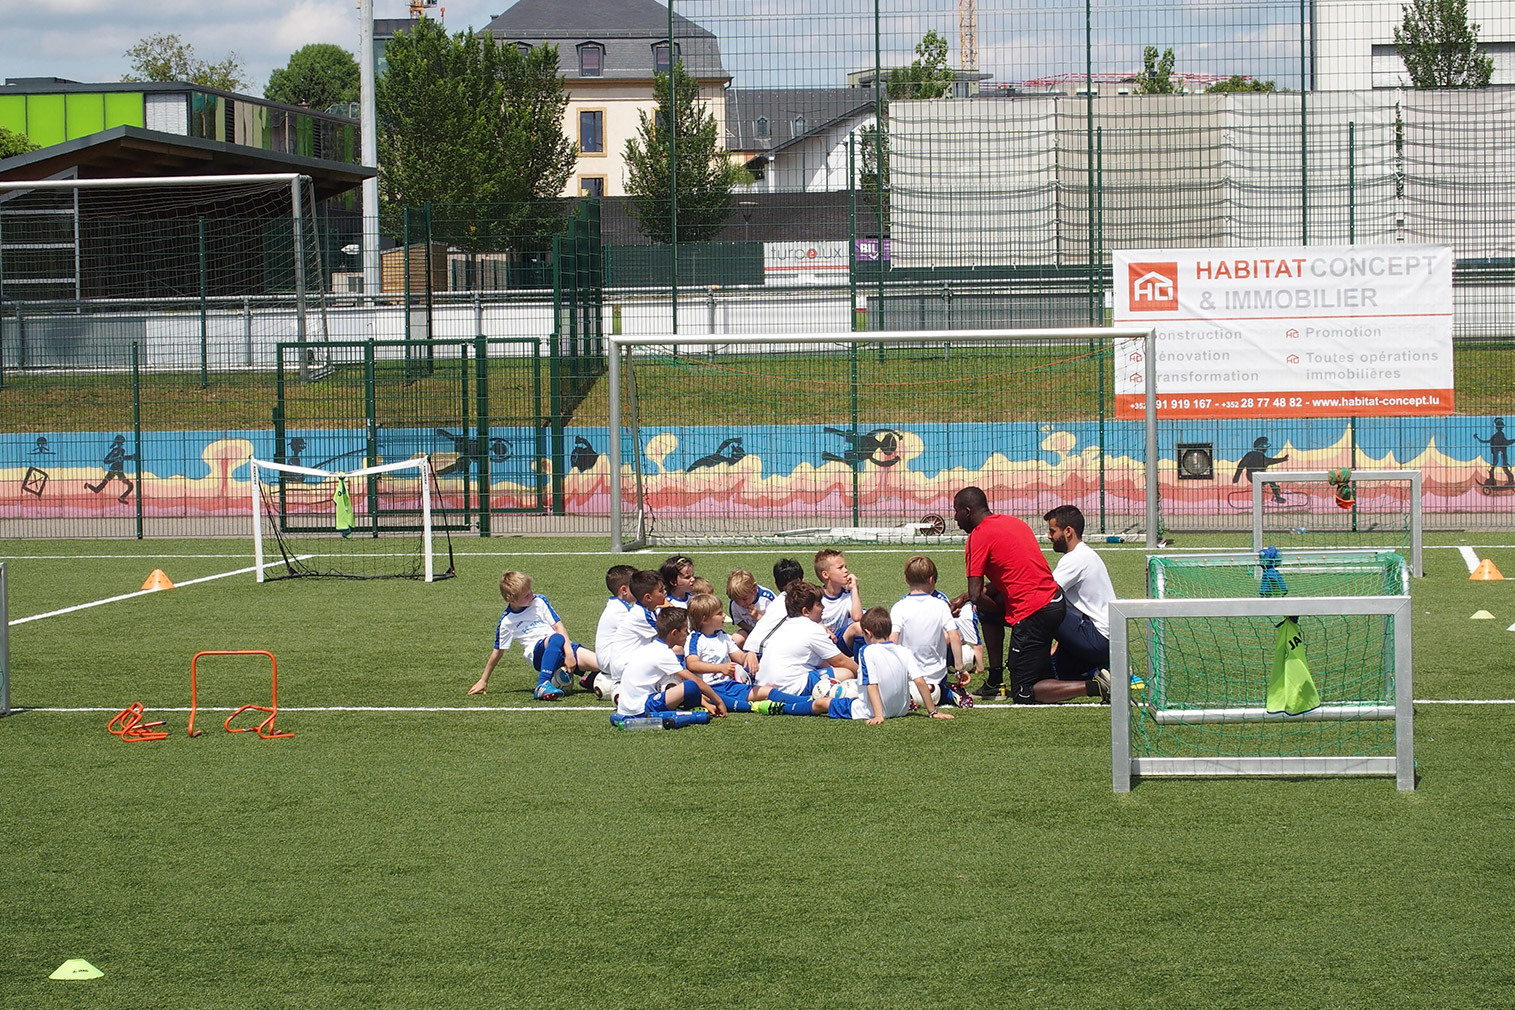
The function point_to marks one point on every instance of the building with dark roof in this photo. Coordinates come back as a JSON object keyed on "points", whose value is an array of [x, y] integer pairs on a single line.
{"points": [[794, 140]]}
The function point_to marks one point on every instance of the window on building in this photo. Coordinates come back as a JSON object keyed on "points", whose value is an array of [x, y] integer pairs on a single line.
{"points": [[524, 47], [761, 128], [660, 56], [592, 186], [591, 131], [798, 125], [591, 59]]}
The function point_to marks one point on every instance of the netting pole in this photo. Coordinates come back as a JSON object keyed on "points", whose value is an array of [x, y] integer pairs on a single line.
{"points": [[481, 419], [5, 644], [1304, 136], [299, 248], [257, 518], [613, 449], [673, 174], [1149, 350], [204, 352], [137, 428]]}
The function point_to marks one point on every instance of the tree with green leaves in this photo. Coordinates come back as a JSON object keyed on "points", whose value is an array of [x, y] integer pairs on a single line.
{"points": [[12, 144], [465, 120], [1440, 46], [167, 57], [927, 77], [1237, 83], [319, 75], [705, 173], [1156, 77]]}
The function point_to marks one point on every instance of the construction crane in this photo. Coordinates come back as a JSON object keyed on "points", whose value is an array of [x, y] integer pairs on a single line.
{"points": [[418, 8], [967, 34]]}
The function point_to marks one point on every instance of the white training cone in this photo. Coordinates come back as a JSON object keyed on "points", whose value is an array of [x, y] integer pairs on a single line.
{"points": [[1482, 615]]}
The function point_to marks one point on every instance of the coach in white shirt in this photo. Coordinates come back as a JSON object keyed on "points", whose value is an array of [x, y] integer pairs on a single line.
{"points": [[1083, 639]]}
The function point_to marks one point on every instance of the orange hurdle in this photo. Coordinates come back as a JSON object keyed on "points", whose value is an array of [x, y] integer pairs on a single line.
{"points": [[264, 729], [128, 725]]}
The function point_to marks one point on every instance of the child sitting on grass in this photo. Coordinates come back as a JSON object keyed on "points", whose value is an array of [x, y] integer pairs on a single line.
{"points": [[748, 602], [654, 679], [923, 623], [843, 604], [885, 672], [678, 579], [713, 655], [530, 619]]}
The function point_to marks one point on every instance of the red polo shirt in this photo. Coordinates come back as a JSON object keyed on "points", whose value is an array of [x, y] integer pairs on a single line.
{"points": [[1003, 550]]}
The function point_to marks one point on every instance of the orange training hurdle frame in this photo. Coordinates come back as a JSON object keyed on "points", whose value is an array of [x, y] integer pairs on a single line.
{"points": [[128, 725], [264, 729]]}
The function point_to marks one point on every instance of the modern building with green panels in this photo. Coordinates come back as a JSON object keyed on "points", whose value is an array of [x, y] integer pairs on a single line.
{"points": [[51, 111]]}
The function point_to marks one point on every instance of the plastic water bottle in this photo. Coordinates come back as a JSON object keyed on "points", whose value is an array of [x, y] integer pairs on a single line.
{"points": [[631, 722]]}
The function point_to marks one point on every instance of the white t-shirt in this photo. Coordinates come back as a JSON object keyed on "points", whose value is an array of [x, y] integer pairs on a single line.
{"points": [[651, 668], [1086, 584], [891, 667], [716, 648], [637, 627], [797, 647], [529, 625], [604, 632], [967, 619], [776, 612], [836, 612], [746, 618], [922, 621]]}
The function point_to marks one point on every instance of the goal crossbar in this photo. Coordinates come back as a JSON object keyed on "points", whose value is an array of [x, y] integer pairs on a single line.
{"points": [[1412, 477], [619, 344], [1124, 766]]}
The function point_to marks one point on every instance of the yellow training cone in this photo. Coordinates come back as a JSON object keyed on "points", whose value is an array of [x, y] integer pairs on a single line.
{"points": [[1486, 572], [76, 968], [157, 580], [1482, 615]]}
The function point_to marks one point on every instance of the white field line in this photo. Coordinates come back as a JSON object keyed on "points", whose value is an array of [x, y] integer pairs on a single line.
{"points": [[145, 592], [605, 710], [1470, 557]]}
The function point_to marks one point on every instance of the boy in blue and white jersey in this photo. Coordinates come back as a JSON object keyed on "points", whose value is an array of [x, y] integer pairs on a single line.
{"points": [[843, 606], [678, 580], [749, 601], [923, 624], [618, 582], [530, 620], [713, 654], [885, 672], [786, 572], [654, 678], [639, 624]]}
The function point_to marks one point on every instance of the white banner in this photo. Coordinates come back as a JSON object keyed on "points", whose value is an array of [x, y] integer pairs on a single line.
{"points": [[1308, 331], [803, 262]]}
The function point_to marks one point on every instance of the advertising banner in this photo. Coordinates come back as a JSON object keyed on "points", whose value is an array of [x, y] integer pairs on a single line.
{"points": [[804, 262], [1308, 331]]}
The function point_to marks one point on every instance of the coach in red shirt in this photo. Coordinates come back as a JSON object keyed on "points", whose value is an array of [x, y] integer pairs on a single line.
{"points": [[1010, 585]]}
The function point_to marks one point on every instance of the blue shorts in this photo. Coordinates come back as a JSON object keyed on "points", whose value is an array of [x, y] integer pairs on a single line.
{"points": [[846, 647], [734, 695], [1081, 649], [658, 701], [841, 708], [550, 652]]}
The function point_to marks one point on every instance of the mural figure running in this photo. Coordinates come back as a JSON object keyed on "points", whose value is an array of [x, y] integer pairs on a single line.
{"points": [[115, 468], [1256, 460], [1499, 453], [881, 447], [728, 452], [462, 444]]}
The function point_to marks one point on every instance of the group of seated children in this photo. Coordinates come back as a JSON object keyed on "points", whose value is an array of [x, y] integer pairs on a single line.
{"points": [[662, 643]]}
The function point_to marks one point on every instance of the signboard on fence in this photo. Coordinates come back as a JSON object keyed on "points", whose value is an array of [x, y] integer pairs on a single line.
{"points": [[1307, 331], [804, 262]]}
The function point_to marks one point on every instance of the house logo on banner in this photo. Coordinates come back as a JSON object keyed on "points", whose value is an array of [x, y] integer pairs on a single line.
{"points": [[1154, 287], [1293, 331]]}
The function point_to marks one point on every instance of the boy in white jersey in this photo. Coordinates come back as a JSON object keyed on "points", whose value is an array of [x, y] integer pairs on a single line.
{"points": [[800, 651], [678, 580], [618, 582], [654, 679], [713, 654], [786, 572], [843, 605], [639, 625], [530, 620], [885, 672], [749, 601], [923, 623], [1083, 638]]}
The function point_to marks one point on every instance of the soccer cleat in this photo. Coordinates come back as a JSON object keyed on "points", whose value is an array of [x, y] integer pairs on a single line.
{"points": [[1102, 681], [958, 697], [586, 682], [990, 691], [547, 691], [768, 707]]}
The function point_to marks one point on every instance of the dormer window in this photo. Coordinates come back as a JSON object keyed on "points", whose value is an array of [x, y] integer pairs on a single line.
{"points": [[591, 59], [761, 128], [660, 57], [524, 48], [798, 125]]}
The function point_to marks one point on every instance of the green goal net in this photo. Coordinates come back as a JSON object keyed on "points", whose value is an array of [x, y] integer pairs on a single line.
{"points": [[1288, 663], [1305, 509]]}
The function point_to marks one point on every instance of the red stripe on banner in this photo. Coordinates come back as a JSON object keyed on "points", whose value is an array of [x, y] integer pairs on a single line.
{"points": [[1375, 403]]}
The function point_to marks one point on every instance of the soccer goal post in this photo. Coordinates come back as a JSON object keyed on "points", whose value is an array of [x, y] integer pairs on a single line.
{"points": [[1217, 688], [372, 522], [5, 643], [866, 437], [1299, 508]]}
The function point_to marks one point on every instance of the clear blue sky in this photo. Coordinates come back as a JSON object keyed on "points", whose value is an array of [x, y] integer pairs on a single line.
{"points": [[768, 43]]}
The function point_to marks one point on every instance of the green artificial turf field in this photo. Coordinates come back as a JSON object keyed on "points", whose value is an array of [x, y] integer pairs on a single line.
{"points": [[500, 852]]}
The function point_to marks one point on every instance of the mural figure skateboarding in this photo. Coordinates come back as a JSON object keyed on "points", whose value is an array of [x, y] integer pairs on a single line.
{"points": [[1257, 460]]}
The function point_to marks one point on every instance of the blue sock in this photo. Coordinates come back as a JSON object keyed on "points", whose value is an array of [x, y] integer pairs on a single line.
{"points": [[785, 698]]}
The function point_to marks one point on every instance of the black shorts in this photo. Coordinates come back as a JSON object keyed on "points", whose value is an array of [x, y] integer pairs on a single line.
{"points": [[1030, 658]]}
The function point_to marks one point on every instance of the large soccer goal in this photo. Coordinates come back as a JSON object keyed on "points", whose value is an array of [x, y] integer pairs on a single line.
{"points": [[1235, 668], [1300, 509], [848, 437], [369, 523]]}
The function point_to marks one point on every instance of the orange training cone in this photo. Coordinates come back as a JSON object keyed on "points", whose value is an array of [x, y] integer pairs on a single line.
{"points": [[157, 580], [1486, 572]]}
